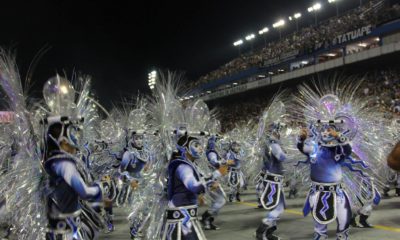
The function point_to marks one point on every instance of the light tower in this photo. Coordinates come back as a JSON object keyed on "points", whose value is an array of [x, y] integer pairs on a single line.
{"points": [[315, 8], [152, 79], [237, 44], [263, 32], [279, 24]]}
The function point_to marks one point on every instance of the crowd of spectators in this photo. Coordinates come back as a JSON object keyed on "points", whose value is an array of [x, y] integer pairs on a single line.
{"points": [[307, 39], [383, 86], [239, 113]]}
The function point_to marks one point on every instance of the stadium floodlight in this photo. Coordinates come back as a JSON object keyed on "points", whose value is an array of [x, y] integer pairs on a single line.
{"points": [[332, 1], [296, 17], [279, 23], [238, 43], [264, 30], [152, 78], [314, 7], [208, 92], [261, 32], [250, 37]]}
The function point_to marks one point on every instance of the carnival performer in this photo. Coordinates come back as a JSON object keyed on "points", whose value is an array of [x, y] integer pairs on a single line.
{"points": [[139, 157], [103, 151], [104, 169], [271, 155], [133, 173], [133, 162], [48, 194], [327, 199], [337, 114], [67, 185], [236, 179], [185, 184], [217, 196], [272, 197]]}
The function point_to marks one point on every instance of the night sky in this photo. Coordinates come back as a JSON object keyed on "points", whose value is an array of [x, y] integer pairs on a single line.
{"points": [[118, 43]]}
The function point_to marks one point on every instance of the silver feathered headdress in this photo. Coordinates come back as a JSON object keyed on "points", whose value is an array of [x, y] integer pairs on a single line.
{"points": [[21, 186]]}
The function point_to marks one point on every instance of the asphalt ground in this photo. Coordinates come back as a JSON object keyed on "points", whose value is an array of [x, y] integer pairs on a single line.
{"points": [[239, 220]]}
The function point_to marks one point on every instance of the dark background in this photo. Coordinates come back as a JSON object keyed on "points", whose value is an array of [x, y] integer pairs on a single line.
{"points": [[118, 43]]}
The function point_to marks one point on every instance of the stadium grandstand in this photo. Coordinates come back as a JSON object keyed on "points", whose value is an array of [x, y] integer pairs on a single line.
{"points": [[365, 39]]}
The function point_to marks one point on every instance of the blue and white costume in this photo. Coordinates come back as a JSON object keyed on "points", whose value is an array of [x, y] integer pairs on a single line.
{"points": [[49, 187], [71, 195], [327, 200], [185, 184], [104, 169], [67, 188], [218, 195], [133, 161], [272, 163], [236, 179], [335, 117], [270, 187], [272, 196]]}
